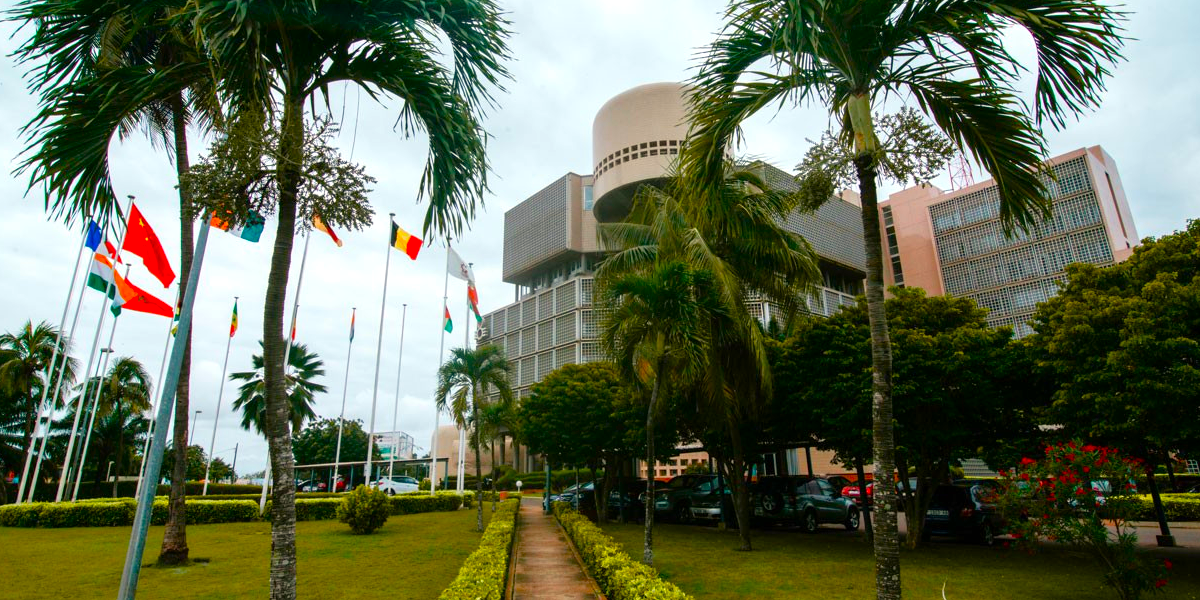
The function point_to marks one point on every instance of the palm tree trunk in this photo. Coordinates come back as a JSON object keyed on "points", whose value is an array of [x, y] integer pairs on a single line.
{"points": [[117, 465], [886, 541], [174, 547], [278, 415], [741, 490], [648, 539], [495, 494], [862, 493], [478, 469]]}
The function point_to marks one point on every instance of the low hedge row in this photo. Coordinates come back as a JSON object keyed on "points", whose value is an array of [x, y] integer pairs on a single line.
{"points": [[199, 512], [1179, 507], [619, 576], [484, 574]]}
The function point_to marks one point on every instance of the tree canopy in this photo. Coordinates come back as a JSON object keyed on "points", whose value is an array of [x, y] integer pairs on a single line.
{"points": [[317, 442]]}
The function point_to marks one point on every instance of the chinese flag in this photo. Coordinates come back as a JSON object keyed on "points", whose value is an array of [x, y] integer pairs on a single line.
{"points": [[141, 240]]}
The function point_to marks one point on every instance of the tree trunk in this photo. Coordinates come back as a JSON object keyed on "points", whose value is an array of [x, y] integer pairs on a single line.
{"points": [[741, 491], [886, 541], [478, 470], [495, 494], [278, 411], [117, 464], [648, 539], [866, 500], [174, 546], [1159, 513], [1170, 471]]}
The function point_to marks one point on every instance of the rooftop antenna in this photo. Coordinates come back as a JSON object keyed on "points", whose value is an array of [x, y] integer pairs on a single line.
{"points": [[960, 173]]}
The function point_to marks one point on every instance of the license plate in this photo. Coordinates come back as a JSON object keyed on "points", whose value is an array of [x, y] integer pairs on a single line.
{"points": [[937, 513], [758, 512]]}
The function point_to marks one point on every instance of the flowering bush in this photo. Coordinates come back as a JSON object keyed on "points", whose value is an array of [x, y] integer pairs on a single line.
{"points": [[1068, 496]]}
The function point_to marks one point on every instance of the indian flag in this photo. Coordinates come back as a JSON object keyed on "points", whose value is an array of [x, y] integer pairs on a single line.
{"points": [[102, 278]]}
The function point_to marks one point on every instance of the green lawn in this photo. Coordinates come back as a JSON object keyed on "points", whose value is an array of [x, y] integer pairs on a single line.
{"points": [[413, 556], [834, 564]]}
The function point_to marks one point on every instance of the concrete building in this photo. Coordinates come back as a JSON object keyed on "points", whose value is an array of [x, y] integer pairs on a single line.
{"points": [[953, 243]]}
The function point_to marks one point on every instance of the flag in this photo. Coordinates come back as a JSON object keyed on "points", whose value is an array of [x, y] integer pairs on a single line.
{"points": [[321, 226], [233, 322], [352, 311], [112, 251], [101, 276], [404, 242], [93, 237], [251, 231], [178, 309], [294, 315], [447, 323], [473, 298], [141, 240], [124, 294], [459, 268]]}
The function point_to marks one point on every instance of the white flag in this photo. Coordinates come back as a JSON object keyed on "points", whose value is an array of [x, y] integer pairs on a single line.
{"points": [[458, 268]]}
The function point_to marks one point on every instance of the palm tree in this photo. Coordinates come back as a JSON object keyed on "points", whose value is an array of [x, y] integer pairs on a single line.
{"points": [[24, 359], [464, 384], [276, 57], [117, 424], [656, 328], [106, 69], [304, 368], [948, 56], [496, 422]]}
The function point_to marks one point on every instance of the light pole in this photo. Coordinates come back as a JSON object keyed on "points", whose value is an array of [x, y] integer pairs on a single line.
{"points": [[192, 431]]}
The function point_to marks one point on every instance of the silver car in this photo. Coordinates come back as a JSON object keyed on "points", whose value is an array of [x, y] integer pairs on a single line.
{"points": [[397, 484]]}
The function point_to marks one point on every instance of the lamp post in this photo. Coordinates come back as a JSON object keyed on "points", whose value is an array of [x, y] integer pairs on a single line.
{"points": [[192, 431]]}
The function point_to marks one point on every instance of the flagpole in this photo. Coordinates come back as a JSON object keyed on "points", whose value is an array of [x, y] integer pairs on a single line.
{"points": [[62, 322], [378, 353], [87, 440], [212, 444], [145, 499], [154, 409], [461, 485], [108, 289], [287, 354], [337, 455], [437, 414], [396, 405]]}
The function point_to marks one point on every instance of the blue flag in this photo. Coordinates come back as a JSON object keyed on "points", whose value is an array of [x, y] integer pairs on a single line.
{"points": [[93, 237]]}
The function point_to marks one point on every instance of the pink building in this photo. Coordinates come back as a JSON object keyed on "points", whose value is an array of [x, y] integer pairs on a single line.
{"points": [[953, 243]]}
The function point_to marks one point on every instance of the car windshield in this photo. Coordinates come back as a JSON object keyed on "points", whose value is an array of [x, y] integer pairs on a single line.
{"points": [[683, 481], [946, 496]]}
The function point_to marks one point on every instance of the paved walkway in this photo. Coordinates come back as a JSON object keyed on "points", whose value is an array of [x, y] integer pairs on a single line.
{"points": [[546, 566]]}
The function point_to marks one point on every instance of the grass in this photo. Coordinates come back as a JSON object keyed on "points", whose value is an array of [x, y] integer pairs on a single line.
{"points": [[834, 564], [411, 557]]}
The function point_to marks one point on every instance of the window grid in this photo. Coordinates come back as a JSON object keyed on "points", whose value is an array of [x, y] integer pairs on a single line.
{"points": [[564, 329], [982, 205], [1078, 212], [514, 317], [496, 327], [545, 362], [590, 330], [529, 312], [590, 352], [565, 356], [545, 304], [528, 340], [527, 367], [512, 348], [565, 297], [545, 335], [585, 291]]}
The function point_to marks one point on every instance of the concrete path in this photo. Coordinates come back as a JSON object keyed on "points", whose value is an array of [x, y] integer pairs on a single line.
{"points": [[546, 567]]}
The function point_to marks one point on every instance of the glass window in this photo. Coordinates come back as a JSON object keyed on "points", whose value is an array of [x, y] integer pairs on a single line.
{"points": [[826, 489]]}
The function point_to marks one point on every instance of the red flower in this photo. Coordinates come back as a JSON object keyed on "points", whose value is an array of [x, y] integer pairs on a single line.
{"points": [[1025, 476], [1071, 444], [1167, 564], [1028, 461], [1159, 583], [1016, 535], [1071, 457], [1080, 492], [1089, 448], [1087, 469]]}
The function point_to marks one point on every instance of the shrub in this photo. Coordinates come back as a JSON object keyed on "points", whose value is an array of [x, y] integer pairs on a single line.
{"points": [[364, 509], [485, 572], [618, 575], [424, 485]]}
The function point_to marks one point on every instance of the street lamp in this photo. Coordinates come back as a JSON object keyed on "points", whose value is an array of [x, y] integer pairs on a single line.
{"points": [[192, 431]]}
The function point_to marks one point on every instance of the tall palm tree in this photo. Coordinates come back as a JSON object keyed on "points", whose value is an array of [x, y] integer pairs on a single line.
{"points": [[110, 68], [496, 423], [947, 55], [276, 57], [124, 396], [464, 384], [656, 328], [24, 359], [304, 368]]}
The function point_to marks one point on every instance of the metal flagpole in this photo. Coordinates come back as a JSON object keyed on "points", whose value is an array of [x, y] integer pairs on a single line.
{"points": [[212, 444], [337, 455], [62, 322], [145, 499], [396, 405], [87, 440], [437, 414], [108, 289], [287, 355], [378, 350], [461, 485], [154, 409]]}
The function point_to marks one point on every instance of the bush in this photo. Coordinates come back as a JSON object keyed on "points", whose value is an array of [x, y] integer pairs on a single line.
{"points": [[121, 512], [485, 572], [619, 576], [364, 509], [1179, 507], [424, 485]]}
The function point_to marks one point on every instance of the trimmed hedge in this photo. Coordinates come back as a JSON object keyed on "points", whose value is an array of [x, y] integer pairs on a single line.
{"points": [[619, 576], [484, 574], [1179, 507]]}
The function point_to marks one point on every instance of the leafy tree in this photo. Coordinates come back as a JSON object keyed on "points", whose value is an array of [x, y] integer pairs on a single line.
{"points": [[304, 368], [24, 359], [1122, 346], [105, 69], [195, 463], [950, 58], [119, 427], [317, 442], [465, 384]]}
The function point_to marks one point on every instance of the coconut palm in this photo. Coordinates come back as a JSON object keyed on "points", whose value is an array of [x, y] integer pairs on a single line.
{"points": [[465, 383], [496, 422], [276, 58], [949, 57], [118, 423], [304, 368], [24, 359], [111, 68]]}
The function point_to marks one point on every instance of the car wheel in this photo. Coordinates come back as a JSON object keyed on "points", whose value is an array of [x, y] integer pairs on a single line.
{"points": [[809, 522], [391, 492], [683, 513], [852, 521], [986, 535]]}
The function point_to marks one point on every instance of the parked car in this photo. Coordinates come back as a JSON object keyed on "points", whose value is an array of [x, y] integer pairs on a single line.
{"points": [[627, 496], [311, 485], [675, 501], [710, 500], [804, 501], [397, 484], [853, 492], [568, 495], [964, 511]]}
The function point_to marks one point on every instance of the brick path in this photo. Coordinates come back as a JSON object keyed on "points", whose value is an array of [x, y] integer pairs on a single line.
{"points": [[546, 567]]}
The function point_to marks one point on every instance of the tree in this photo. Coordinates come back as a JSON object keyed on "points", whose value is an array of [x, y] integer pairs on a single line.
{"points": [[24, 360], [304, 368], [124, 397], [106, 69], [194, 466], [950, 58], [465, 384], [274, 58], [317, 442], [1122, 347]]}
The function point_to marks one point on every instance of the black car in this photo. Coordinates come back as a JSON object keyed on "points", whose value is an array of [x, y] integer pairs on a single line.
{"points": [[676, 500], [804, 501], [964, 511]]}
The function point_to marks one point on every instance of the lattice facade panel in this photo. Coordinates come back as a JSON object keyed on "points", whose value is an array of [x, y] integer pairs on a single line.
{"points": [[545, 335], [590, 327], [564, 329], [528, 367], [545, 305], [512, 347], [513, 317], [545, 362], [590, 352], [566, 355], [565, 297], [585, 291], [528, 340]]}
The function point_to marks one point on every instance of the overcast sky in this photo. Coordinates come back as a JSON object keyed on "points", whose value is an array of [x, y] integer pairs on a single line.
{"points": [[569, 58]]}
